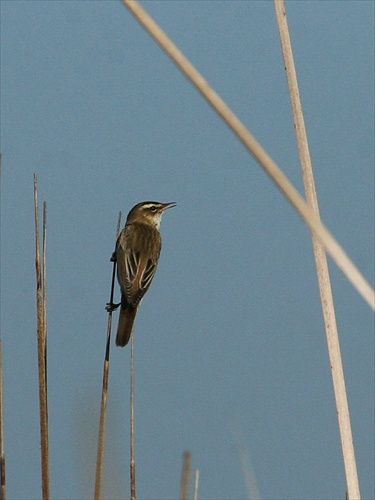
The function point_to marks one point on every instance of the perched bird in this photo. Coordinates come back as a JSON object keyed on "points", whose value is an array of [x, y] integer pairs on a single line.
{"points": [[137, 254]]}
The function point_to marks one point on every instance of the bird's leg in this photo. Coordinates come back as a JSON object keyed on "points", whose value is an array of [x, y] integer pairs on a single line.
{"points": [[110, 306]]}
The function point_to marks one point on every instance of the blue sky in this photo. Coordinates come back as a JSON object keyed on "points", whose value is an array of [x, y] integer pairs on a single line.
{"points": [[230, 335]]}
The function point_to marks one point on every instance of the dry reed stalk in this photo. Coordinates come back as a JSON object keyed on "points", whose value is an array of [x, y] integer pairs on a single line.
{"points": [[185, 476], [279, 178], [320, 261], [2, 448], [133, 494], [245, 460], [2, 451], [44, 281], [196, 483], [42, 341], [103, 406]]}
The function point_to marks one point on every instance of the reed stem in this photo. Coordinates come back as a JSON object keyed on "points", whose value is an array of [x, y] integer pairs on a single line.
{"points": [[41, 272], [320, 261], [133, 494], [103, 406], [2, 451], [185, 476]]}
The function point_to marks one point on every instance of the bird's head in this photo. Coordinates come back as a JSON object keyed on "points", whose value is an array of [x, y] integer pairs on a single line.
{"points": [[148, 212]]}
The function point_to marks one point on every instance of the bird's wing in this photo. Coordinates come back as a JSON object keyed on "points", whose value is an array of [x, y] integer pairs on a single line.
{"points": [[135, 271]]}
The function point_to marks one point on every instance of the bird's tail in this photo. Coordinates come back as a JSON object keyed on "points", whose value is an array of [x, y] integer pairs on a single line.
{"points": [[125, 323]]}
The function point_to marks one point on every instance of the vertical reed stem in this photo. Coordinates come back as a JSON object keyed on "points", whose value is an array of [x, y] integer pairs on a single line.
{"points": [[321, 263], [103, 415], [196, 484], [2, 452], [42, 339], [185, 476], [2, 449], [103, 407], [44, 281], [133, 495]]}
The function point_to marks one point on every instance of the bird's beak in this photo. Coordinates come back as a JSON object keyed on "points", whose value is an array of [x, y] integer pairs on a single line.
{"points": [[168, 205]]}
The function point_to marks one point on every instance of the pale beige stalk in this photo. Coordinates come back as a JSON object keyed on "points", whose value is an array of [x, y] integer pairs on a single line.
{"points": [[321, 262]]}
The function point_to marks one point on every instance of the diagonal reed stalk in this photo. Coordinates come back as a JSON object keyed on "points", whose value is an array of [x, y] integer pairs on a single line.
{"points": [[103, 406], [41, 273], [279, 178], [320, 261]]}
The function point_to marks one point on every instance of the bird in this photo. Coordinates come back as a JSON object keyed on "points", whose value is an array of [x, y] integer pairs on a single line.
{"points": [[137, 254]]}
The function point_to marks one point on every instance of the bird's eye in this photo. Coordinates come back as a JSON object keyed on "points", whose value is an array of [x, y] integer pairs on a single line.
{"points": [[153, 208]]}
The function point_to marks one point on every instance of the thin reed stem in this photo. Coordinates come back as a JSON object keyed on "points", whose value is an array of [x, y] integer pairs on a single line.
{"points": [[2, 446], [196, 484], [42, 353], [133, 495], [270, 167], [245, 460], [185, 476], [44, 280], [2, 450], [321, 262], [103, 406]]}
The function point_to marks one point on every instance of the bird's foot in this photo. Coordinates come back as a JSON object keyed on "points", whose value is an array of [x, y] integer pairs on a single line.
{"points": [[110, 307]]}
